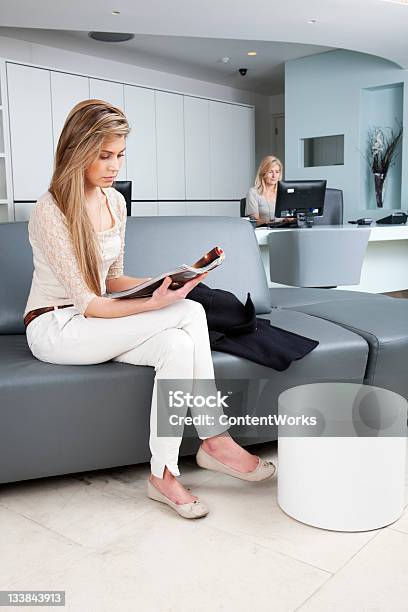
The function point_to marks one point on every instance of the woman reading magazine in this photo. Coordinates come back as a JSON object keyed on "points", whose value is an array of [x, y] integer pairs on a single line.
{"points": [[77, 233]]}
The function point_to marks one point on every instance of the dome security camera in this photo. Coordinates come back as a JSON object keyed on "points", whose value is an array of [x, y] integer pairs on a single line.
{"points": [[243, 71]]}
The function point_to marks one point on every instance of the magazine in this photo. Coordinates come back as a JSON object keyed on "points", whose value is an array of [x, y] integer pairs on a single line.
{"points": [[179, 275]]}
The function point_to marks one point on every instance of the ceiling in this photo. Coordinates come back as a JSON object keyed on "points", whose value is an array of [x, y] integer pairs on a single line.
{"points": [[198, 58], [189, 37]]}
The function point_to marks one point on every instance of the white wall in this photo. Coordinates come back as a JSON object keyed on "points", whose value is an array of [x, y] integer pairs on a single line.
{"points": [[327, 94], [70, 61], [276, 104]]}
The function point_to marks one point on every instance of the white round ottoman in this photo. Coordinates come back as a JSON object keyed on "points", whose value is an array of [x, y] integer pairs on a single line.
{"points": [[342, 455]]}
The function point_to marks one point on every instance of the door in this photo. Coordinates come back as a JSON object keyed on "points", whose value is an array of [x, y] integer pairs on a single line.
{"points": [[141, 143], [170, 146], [221, 151], [243, 150], [197, 148], [30, 130], [66, 91]]}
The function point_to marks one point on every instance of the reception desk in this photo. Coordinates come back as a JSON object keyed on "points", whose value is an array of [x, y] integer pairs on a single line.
{"points": [[385, 265]]}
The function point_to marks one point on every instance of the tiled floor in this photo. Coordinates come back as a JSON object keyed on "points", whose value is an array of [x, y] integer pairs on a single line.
{"points": [[98, 537]]}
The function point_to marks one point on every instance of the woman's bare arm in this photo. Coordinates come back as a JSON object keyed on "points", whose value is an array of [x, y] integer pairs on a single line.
{"points": [[109, 308], [121, 283]]}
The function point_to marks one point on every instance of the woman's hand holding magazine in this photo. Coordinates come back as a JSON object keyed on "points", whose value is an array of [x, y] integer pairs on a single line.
{"points": [[163, 296], [184, 279]]}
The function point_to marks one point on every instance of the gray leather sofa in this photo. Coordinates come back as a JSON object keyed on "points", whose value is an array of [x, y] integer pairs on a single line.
{"points": [[65, 419]]}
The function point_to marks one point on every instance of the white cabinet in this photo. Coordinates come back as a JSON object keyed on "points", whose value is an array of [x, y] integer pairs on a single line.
{"points": [[22, 210], [108, 91], [4, 216], [232, 150], [30, 130], [197, 148], [144, 209], [224, 209], [66, 91], [198, 209], [221, 153], [243, 149], [166, 209], [184, 154], [170, 146], [113, 93], [1, 131], [6, 209], [141, 142], [3, 184]]}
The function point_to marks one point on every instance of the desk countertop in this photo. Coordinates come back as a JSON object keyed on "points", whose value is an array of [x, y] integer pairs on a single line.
{"points": [[378, 233]]}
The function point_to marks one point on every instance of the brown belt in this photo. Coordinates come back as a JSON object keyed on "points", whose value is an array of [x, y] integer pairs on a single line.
{"points": [[30, 316]]}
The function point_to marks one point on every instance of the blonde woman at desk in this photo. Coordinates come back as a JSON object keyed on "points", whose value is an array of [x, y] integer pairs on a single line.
{"points": [[261, 199]]}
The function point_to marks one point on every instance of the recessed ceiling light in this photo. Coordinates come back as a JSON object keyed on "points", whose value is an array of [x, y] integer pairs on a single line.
{"points": [[312, 21], [252, 53], [111, 37], [225, 60], [115, 12]]}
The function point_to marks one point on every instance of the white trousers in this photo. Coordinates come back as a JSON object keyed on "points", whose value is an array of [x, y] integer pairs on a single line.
{"points": [[174, 340]]}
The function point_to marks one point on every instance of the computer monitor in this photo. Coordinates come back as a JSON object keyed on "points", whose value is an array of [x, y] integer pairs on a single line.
{"points": [[300, 196]]}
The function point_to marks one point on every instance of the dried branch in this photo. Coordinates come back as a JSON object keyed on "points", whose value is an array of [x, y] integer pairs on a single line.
{"points": [[382, 147]]}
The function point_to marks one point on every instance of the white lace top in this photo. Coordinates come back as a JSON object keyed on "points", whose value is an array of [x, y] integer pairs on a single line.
{"points": [[57, 279]]}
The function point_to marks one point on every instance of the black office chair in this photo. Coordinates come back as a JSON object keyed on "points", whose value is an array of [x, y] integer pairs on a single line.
{"points": [[242, 207], [333, 208], [125, 188]]}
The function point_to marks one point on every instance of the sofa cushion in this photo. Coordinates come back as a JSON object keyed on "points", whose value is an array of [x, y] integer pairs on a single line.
{"points": [[291, 297], [340, 356], [384, 325], [58, 419]]}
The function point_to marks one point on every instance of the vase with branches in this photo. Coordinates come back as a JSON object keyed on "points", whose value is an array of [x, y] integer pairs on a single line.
{"points": [[382, 153]]}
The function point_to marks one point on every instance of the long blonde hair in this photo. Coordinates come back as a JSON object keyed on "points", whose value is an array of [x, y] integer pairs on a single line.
{"points": [[264, 167], [87, 126]]}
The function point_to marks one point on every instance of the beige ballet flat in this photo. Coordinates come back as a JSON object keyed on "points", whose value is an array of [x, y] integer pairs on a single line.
{"points": [[193, 510], [264, 469]]}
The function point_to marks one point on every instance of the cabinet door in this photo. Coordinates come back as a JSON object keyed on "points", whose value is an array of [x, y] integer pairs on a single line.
{"points": [[141, 142], [144, 209], [30, 130], [66, 91], [243, 150], [221, 152], [112, 93], [224, 209], [108, 91], [4, 213], [170, 146], [197, 148], [198, 209], [22, 210], [172, 209]]}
